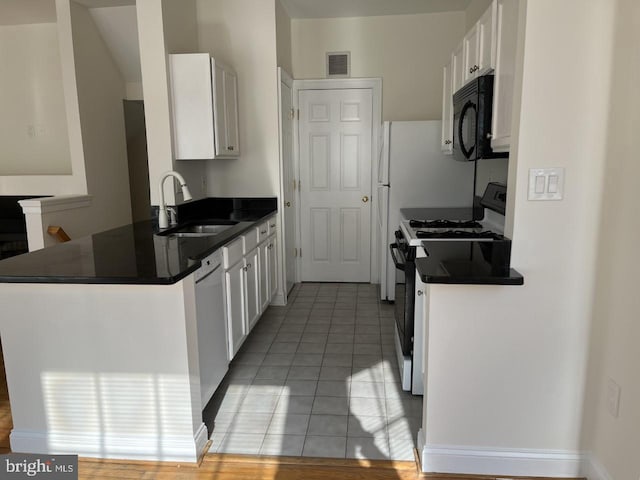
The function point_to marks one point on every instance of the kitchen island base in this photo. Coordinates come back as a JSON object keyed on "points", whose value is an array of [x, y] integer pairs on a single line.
{"points": [[107, 371]]}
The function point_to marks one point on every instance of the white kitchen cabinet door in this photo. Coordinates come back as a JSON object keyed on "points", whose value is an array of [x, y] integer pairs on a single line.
{"points": [[486, 41], [272, 251], [265, 297], [235, 307], [506, 46], [470, 54], [479, 46], [204, 107], [457, 74], [225, 108], [251, 273], [447, 111], [420, 334]]}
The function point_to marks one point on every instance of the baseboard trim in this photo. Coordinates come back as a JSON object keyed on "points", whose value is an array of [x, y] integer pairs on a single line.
{"points": [[174, 448], [592, 469], [278, 300], [506, 462]]}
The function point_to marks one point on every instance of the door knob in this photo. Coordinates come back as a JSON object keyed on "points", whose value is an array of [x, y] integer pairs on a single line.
{"points": [[288, 204], [365, 199]]}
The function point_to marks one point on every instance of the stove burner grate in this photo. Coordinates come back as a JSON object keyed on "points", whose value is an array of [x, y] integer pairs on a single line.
{"points": [[444, 224], [459, 234]]}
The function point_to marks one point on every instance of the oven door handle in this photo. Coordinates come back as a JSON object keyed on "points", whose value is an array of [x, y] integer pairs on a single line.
{"points": [[399, 266]]}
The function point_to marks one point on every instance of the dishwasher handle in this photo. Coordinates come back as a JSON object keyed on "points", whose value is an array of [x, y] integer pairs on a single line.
{"points": [[207, 275]]}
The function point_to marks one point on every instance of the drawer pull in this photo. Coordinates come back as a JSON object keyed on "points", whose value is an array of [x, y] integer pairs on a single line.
{"points": [[262, 232]]}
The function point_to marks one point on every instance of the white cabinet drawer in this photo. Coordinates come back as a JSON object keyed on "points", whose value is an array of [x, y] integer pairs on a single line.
{"points": [[250, 240], [232, 253], [273, 225], [263, 232]]}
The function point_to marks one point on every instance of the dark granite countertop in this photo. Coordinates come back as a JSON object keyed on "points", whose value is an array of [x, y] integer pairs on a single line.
{"points": [[135, 253], [466, 262]]}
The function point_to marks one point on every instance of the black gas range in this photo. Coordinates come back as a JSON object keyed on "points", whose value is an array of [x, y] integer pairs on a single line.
{"points": [[414, 236]]}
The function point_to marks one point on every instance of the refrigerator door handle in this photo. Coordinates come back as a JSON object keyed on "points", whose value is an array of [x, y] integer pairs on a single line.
{"points": [[399, 266]]}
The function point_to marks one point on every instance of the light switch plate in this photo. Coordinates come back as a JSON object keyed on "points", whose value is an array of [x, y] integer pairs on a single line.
{"points": [[546, 183]]}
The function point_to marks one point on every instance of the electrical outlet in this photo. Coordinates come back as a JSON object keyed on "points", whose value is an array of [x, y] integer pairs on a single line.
{"points": [[613, 398]]}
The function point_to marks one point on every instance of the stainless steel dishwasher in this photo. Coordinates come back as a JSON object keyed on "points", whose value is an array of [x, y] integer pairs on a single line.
{"points": [[212, 327]]}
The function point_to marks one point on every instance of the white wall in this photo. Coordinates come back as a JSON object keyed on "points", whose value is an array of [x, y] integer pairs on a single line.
{"points": [[33, 130], [165, 27], [522, 380], [474, 11], [100, 90], [283, 38], [242, 34], [616, 331], [407, 51]]}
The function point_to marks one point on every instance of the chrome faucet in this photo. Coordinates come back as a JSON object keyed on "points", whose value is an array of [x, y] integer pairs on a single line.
{"points": [[163, 219]]}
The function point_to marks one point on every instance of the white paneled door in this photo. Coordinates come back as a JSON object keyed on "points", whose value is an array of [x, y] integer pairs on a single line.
{"points": [[335, 184]]}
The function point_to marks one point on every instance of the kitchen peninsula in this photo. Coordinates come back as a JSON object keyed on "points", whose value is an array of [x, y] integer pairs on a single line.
{"points": [[100, 338]]}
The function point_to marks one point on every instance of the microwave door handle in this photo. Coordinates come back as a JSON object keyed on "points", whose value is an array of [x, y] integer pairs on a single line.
{"points": [[463, 148], [399, 266]]}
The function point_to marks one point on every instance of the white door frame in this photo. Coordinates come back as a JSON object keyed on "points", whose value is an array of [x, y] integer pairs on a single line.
{"points": [[282, 294], [375, 85]]}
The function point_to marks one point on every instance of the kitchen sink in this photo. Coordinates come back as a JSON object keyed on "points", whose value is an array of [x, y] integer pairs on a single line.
{"points": [[204, 229]]}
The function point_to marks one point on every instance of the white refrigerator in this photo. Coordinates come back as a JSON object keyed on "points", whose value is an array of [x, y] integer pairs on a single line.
{"points": [[414, 173]]}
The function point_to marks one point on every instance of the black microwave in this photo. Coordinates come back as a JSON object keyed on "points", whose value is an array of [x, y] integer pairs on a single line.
{"points": [[472, 108]]}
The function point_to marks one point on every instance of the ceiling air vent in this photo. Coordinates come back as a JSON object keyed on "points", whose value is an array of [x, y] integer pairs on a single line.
{"points": [[338, 64]]}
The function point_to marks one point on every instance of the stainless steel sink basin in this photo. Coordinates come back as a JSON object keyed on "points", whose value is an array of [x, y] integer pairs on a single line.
{"points": [[204, 229], [199, 230]]}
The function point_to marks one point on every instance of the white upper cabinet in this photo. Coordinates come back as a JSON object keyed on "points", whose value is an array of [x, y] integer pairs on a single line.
{"points": [[457, 74], [470, 54], [479, 46], [205, 107], [225, 107], [506, 46], [447, 111]]}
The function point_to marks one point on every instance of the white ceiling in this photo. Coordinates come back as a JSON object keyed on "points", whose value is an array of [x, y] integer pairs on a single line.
{"points": [[368, 8]]}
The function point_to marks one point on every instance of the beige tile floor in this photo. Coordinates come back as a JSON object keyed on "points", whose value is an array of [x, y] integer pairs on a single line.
{"points": [[319, 378]]}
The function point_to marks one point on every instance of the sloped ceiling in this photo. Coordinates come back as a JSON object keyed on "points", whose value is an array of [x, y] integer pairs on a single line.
{"points": [[119, 29], [368, 8]]}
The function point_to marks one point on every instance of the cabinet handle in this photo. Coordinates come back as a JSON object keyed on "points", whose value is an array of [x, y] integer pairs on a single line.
{"points": [[471, 70], [288, 204], [262, 232], [447, 142], [245, 268], [273, 225], [476, 68], [230, 148], [420, 293]]}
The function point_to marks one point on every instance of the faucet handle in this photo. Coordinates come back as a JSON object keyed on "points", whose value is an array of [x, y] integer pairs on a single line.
{"points": [[173, 216]]}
